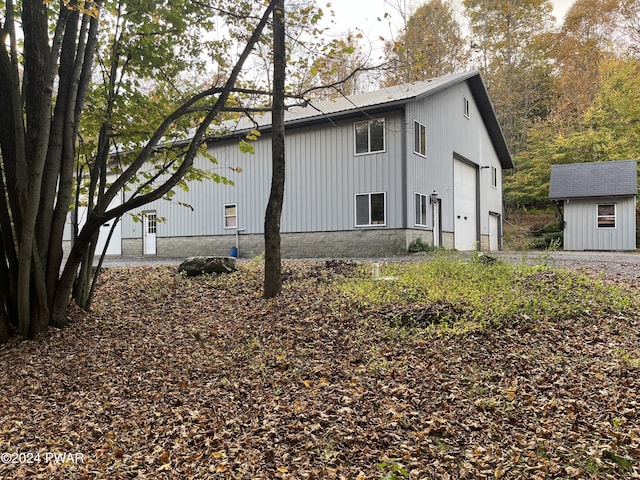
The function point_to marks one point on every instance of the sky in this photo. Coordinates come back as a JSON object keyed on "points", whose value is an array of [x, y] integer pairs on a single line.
{"points": [[369, 16]]}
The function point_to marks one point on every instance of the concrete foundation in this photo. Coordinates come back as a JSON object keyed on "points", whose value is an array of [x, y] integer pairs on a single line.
{"points": [[353, 243]]}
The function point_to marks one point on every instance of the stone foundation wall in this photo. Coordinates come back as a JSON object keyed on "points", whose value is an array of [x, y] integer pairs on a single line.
{"points": [[353, 243]]}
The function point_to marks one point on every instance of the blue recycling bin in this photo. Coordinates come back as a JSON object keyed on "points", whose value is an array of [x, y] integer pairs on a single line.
{"points": [[234, 252]]}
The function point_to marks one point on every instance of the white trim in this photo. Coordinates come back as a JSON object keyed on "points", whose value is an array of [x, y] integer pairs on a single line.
{"points": [[418, 125], [355, 210], [415, 213], [615, 216], [369, 151], [225, 216]]}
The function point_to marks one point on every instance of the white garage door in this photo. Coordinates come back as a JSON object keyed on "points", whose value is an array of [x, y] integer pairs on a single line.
{"points": [[465, 205]]}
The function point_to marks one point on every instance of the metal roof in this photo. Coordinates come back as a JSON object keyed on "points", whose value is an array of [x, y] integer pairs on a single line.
{"points": [[386, 98], [594, 179]]}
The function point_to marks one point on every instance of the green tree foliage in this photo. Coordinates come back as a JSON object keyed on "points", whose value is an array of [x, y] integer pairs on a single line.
{"points": [[608, 130], [431, 45], [48, 55]]}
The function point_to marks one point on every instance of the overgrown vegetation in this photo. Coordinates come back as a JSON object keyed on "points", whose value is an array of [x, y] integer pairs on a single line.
{"points": [[475, 294]]}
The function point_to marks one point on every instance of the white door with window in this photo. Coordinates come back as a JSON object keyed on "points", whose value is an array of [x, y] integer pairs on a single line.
{"points": [[465, 205], [149, 229]]}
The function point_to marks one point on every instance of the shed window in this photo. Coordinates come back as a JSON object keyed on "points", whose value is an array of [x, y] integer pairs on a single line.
{"points": [[422, 202], [370, 209], [465, 107], [607, 215], [494, 177], [231, 215], [369, 136], [420, 142]]}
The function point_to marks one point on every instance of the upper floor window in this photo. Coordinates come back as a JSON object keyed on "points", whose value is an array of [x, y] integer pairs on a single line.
{"points": [[466, 107], [494, 177], [369, 136], [420, 138], [607, 215]]}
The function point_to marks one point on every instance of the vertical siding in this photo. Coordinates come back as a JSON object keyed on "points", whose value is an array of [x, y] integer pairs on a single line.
{"points": [[449, 132], [323, 174], [582, 232]]}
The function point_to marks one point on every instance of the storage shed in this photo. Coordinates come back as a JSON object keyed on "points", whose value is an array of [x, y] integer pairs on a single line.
{"points": [[598, 204]]}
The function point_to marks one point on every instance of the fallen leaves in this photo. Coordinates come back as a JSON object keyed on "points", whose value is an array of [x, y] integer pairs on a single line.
{"points": [[174, 377]]}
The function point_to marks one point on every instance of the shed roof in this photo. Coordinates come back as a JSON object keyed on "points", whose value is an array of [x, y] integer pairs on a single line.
{"points": [[388, 98], [594, 179]]}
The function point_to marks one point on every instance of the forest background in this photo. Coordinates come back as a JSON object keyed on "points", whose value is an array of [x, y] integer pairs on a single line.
{"points": [[565, 91]]}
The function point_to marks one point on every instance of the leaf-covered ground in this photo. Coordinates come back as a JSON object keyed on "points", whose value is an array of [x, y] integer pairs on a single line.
{"points": [[175, 377]]}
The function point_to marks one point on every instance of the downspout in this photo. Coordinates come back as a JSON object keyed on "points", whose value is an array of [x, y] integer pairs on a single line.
{"points": [[403, 171]]}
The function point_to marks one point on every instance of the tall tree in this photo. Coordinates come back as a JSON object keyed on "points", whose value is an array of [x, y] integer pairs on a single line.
{"points": [[43, 97], [272, 260], [581, 45], [513, 39], [431, 45]]}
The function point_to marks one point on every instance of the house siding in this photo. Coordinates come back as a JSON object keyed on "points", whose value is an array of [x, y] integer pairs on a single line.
{"points": [[450, 134], [581, 231], [323, 175]]}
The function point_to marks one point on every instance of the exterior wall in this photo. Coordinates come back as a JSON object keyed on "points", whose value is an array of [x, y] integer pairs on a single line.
{"points": [[582, 233], [451, 134], [323, 176], [353, 243]]}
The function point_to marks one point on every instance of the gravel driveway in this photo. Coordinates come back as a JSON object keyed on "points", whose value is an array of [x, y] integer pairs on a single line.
{"points": [[620, 266]]}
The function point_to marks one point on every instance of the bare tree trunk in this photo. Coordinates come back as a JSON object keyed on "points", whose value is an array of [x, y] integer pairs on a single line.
{"points": [[273, 258]]}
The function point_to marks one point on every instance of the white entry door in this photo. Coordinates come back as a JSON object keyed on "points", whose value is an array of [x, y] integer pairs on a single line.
{"points": [[435, 211], [494, 232], [465, 205], [149, 229]]}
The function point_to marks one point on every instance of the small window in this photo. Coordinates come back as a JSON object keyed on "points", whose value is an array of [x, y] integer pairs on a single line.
{"points": [[422, 202], [152, 222], [369, 136], [607, 215], [494, 177], [466, 107], [370, 209], [420, 141], [231, 216]]}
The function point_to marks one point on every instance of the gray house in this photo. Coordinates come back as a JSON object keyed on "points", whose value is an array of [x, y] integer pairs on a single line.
{"points": [[366, 175], [598, 204]]}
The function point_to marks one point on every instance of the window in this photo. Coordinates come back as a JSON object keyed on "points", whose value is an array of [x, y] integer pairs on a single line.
{"points": [[466, 107], [369, 136], [231, 216], [494, 177], [420, 142], [422, 202], [152, 222], [607, 215], [370, 209]]}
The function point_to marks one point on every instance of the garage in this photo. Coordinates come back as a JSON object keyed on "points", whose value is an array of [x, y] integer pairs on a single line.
{"points": [[465, 205]]}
